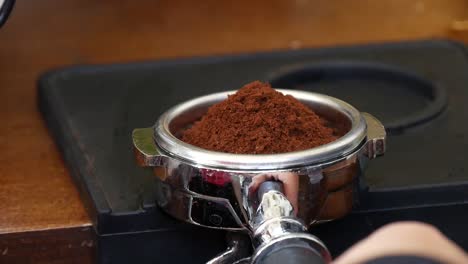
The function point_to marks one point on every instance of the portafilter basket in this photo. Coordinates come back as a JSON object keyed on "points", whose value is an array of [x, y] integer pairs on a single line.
{"points": [[273, 198]]}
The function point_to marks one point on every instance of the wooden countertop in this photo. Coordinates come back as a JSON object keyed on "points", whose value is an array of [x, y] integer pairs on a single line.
{"points": [[39, 205]]}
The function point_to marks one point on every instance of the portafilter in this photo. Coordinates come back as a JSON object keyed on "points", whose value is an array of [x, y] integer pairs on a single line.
{"points": [[273, 198]]}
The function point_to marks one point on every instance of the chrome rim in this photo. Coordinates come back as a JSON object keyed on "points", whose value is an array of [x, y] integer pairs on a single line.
{"points": [[170, 145]]}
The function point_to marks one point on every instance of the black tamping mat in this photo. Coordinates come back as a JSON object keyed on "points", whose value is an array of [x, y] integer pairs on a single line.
{"points": [[418, 89]]}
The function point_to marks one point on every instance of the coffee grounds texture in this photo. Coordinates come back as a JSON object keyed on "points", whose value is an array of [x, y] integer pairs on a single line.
{"points": [[259, 120]]}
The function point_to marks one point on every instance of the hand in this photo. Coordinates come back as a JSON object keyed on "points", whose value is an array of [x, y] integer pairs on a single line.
{"points": [[404, 239]]}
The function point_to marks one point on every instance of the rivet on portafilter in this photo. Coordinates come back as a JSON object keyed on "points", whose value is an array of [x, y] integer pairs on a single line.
{"points": [[271, 197]]}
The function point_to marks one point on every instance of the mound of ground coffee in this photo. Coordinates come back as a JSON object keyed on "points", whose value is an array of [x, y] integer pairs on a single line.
{"points": [[259, 120]]}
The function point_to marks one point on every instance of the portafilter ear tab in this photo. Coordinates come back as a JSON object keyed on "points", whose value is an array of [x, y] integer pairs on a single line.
{"points": [[146, 152], [376, 136]]}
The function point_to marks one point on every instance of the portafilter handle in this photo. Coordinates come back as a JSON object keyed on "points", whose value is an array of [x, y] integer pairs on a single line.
{"points": [[278, 236], [268, 186]]}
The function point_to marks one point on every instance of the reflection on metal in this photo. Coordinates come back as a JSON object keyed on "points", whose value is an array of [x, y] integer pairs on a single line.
{"points": [[238, 250]]}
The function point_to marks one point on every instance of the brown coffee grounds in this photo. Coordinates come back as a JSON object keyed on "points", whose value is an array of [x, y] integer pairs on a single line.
{"points": [[259, 120]]}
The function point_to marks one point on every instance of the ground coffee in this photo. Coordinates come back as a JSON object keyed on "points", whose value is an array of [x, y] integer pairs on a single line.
{"points": [[259, 120]]}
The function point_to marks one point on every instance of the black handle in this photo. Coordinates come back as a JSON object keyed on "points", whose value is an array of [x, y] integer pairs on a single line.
{"points": [[269, 186], [5, 10], [294, 253]]}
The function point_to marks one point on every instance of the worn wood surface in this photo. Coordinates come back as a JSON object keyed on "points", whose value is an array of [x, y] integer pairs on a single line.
{"points": [[37, 197], [70, 245]]}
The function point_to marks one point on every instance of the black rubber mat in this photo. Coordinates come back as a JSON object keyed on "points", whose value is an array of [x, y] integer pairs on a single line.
{"points": [[418, 89]]}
